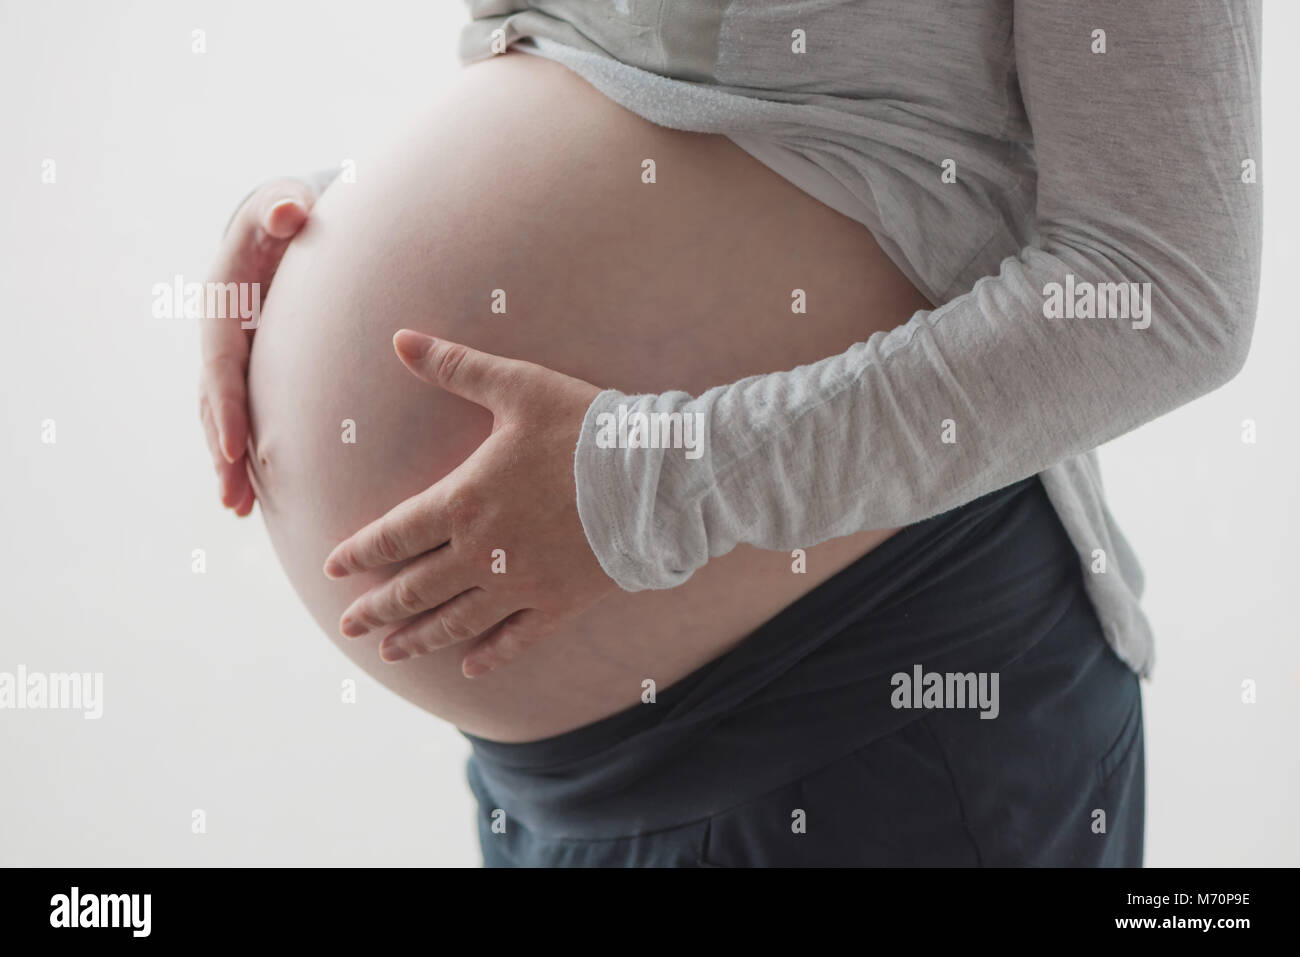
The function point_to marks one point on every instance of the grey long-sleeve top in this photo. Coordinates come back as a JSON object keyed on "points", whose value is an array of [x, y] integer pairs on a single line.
{"points": [[1029, 164]]}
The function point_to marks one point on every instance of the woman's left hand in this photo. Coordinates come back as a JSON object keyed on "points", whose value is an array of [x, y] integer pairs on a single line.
{"points": [[499, 555]]}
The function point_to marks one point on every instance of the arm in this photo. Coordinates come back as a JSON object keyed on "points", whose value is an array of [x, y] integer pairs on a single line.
{"points": [[1140, 153]]}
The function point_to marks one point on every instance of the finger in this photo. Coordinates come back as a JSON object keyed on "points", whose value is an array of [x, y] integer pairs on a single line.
{"points": [[245, 507], [223, 380], [250, 475], [210, 430], [478, 376], [250, 253], [285, 217], [233, 484], [266, 222], [515, 636], [464, 618], [254, 244], [223, 346], [425, 583], [415, 526]]}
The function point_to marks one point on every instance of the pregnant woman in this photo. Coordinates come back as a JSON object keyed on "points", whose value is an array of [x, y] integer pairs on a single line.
{"points": [[887, 272]]}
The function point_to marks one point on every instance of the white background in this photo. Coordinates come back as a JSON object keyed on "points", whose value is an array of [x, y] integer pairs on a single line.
{"points": [[220, 692]]}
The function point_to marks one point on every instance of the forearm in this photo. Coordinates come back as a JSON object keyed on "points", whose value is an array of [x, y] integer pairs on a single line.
{"points": [[988, 389]]}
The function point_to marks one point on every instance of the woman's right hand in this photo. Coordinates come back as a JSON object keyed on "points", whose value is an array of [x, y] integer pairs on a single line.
{"points": [[250, 252]]}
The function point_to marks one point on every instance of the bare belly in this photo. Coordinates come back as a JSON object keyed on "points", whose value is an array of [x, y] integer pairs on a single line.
{"points": [[523, 178]]}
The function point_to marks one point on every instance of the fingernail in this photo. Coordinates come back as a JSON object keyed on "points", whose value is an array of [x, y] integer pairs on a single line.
{"points": [[288, 228], [472, 669], [393, 652], [334, 570], [352, 628], [413, 345], [270, 213]]}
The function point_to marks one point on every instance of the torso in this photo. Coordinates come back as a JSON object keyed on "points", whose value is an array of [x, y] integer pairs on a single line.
{"points": [[525, 179]]}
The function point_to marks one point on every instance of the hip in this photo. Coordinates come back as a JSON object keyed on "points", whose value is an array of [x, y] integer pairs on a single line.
{"points": [[961, 657]]}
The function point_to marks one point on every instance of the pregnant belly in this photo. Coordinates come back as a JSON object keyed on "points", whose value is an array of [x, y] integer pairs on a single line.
{"points": [[513, 217]]}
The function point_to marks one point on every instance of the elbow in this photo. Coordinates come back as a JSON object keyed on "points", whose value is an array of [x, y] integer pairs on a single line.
{"points": [[1220, 362], [1200, 307], [1233, 322], [1217, 313], [1231, 357], [1228, 299]]}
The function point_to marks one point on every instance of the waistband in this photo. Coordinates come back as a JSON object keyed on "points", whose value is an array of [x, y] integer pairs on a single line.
{"points": [[969, 590]]}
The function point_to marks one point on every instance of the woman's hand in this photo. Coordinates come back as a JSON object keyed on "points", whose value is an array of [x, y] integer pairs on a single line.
{"points": [[250, 252], [499, 551]]}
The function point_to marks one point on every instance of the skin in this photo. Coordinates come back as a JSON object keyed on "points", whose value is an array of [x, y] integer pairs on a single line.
{"points": [[516, 491], [478, 434], [250, 251]]}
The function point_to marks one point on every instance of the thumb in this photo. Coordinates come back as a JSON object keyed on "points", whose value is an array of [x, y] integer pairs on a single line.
{"points": [[280, 210], [477, 376], [260, 232]]}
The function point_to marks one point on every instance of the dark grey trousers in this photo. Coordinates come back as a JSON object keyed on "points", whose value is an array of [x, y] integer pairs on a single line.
{"points": [[805, 746]]}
